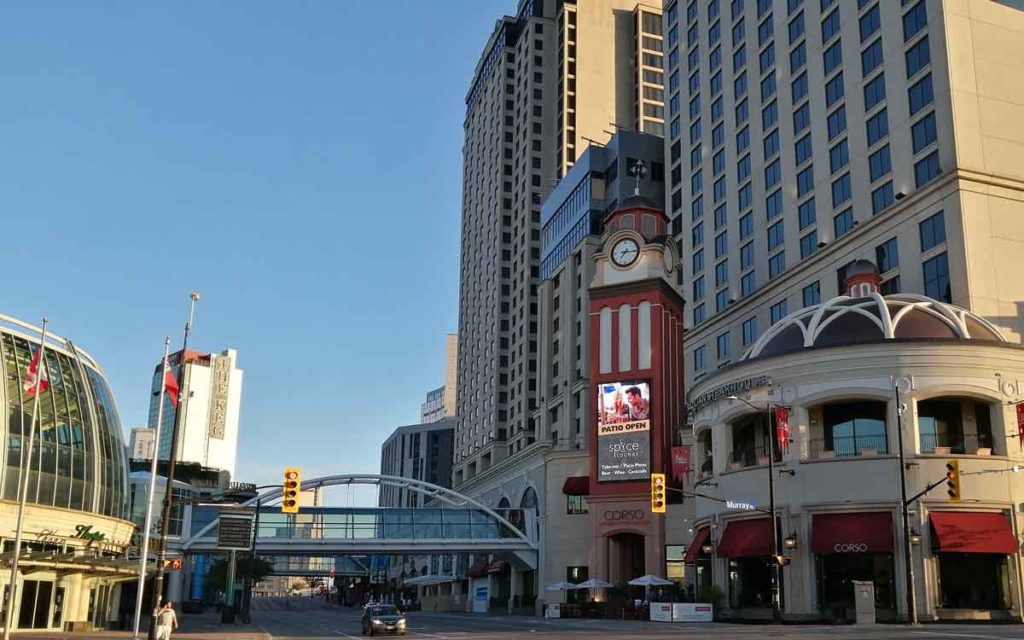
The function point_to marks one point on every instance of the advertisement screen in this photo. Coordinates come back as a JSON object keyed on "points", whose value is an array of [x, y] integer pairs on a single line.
{"points": [[623, 431]]}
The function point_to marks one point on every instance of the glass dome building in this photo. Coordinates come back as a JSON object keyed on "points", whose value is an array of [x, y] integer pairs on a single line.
{"points": [[77, 529]]}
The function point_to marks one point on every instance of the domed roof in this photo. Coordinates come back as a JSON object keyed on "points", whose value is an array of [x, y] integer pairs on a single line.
{"points": [[845, 320], [636, 201], [861, 267]]}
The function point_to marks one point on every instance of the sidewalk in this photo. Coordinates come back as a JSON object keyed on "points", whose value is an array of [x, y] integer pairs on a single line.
{"points": [[205, 626]]}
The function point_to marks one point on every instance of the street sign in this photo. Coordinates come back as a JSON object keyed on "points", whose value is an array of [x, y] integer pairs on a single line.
{"points": [[739, 505], [234, 532]]}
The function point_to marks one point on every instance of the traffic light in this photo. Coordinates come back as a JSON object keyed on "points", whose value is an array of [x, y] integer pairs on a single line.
{"points": [[290, 494], [953, 480], [658, 501]]}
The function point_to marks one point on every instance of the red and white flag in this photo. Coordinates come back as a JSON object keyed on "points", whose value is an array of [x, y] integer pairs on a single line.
{"points": [[32, 376], [171, 386], [782, 427], [1020, 424]]}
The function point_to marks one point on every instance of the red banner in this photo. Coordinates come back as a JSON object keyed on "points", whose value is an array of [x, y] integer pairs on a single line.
{"points": [[782, 427], [681, 462], [1020, 424]]}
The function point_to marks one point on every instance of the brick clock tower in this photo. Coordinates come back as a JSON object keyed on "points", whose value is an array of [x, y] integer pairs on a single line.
{"points": [[636, 374]]}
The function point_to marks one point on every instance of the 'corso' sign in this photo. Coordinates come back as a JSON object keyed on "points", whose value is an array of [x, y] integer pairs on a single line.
{"points": [[850, 547], [624, 515]]}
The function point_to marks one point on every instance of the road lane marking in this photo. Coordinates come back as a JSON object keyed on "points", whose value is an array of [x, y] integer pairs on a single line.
{"points": [[964, 635]]}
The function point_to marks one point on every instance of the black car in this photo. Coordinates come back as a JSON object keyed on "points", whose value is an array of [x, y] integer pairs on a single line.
{"points": [[383, 618]]}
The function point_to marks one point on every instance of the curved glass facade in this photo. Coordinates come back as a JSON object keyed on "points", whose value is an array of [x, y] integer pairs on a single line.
{"points": [[79, 458]]}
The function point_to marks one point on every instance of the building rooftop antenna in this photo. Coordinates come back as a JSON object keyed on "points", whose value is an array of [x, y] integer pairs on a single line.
{"points": [[638, 170]]}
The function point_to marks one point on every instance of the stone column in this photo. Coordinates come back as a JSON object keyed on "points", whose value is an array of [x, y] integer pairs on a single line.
{"points": [[515, 580]]}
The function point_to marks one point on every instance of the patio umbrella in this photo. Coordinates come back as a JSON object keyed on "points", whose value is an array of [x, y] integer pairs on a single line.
{"points": [[650, 581], [561, 586], [594, 583]]}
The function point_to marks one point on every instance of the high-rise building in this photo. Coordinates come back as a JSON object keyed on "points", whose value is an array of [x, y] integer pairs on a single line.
{"points": [[418, 452], [804, 135], [550, 78], [142, 443], [211, 401], [440, 402], [572, 220]]}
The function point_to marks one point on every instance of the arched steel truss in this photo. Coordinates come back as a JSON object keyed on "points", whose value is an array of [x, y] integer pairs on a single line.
{"points": [[430, 490]]}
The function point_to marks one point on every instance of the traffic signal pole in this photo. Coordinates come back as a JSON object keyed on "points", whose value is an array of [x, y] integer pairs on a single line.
{"points": [[905, 513]]}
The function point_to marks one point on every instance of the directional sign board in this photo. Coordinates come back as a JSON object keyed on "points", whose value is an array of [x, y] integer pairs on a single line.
{"points": [[235, 532]]}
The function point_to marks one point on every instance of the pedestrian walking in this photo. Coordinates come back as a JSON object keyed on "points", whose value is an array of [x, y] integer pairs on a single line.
{"points": [[166, 621]]}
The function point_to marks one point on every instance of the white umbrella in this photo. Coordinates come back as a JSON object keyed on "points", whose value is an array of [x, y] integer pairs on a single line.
{"points": [[650, 581], [561, 586], [594, 583]]}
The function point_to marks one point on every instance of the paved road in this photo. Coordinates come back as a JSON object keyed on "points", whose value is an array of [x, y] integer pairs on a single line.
{"points": [[318, 623]]}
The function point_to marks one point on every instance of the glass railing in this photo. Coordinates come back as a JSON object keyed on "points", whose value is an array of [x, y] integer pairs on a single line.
{"points": [[847, 446]]}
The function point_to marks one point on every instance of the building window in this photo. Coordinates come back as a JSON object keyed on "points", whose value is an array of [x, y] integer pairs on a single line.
{"points": [[772, 174], [722, 343], [918, 57], [699, 314], [890, 286], [748, 283], [871, 58], [796, 27], [773, 204], [766, 60], [749, 330], [742, 112], [920, 94], [797, 58], [877, 127], [932, 231], [839, 156], [698, 288], [812, 294], [743, 168], [575, 505], [887, 255], [743, 139], [698, 261], [776, 235], [746, 196], [936, 278], [841, 191], [721, 213], [806, 213], [721, 300], [808, 244], [721, 244], [746, 226], [834, 89], [923, 132], [747, 256], [874, 92], [722, 272], [833, 56], [870, 22], [799, 87], [927, 169], [805, 181], [881, 198], [880, 163], [842, 223], [739, 58], [803, 149], [698, 358], [779, 310], [776, 264], [801, 118], [914, 20], [836, 122], [769, 115], [829, 26]]}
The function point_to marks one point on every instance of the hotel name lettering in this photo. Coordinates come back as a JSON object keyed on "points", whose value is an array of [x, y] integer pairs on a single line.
{"points": [[727, 390], [219, 396], [82, 532]]}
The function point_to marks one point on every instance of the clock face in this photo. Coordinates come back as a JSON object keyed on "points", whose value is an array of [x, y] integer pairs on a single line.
{"points": [[625, 252]]}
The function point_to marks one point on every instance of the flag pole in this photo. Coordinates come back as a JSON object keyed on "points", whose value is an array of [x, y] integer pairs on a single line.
{"points": [[26, 463], [165, 524], [152, 489]]}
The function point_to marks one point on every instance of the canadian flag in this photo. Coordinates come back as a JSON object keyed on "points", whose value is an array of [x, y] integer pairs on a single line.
{"points": [[171, 386], [33, 376]]}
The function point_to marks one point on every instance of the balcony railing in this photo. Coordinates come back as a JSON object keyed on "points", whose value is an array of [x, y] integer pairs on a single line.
{"points": [[749, 457], [849, 446], [956, 444]]}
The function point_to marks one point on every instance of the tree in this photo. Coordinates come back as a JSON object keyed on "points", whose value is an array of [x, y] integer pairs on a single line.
{"points": [[248, 568]]}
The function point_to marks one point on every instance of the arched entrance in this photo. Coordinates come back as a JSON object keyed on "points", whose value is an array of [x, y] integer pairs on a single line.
{"points": [[626, 559]]}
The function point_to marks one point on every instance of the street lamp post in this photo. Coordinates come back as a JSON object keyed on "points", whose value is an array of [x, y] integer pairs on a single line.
{"points": [[776, 551], [905, 510]]}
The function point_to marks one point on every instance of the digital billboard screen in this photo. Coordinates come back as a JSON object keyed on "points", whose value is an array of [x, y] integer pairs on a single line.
{"points": [[623, 431]]}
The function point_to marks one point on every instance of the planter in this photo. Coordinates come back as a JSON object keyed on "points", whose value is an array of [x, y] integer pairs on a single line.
{"points": [[735, 465], [984, 451], [868, 451], [941, 451], [826, 455]]}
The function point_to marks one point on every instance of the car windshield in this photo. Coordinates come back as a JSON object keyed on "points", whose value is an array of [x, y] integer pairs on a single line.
{"points": [[383, 610]]}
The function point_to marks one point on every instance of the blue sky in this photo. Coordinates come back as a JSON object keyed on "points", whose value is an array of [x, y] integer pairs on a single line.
{"points": [[299, 163]]}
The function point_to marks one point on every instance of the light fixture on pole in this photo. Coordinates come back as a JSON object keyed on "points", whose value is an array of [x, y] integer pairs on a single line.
{"points": [[148, 527], [915, 537], [777, 557], [790, 541], [900, 386], [35, 382]]}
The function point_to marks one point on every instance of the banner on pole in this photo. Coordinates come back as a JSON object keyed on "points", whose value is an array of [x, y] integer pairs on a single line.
{"points": [[681, 463], [782, 428]]}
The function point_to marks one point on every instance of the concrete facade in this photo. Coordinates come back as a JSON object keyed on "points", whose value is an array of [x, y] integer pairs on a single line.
{"points": [[843, 129], [419, 452], [547, 81], [440, 402], [142, 443]]}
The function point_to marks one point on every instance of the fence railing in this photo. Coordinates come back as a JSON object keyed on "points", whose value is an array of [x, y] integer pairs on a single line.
{"points": [[953, 443], [750, 457], [847, 446]]}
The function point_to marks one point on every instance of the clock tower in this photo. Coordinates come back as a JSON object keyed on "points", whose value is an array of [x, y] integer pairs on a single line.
{"points": [[636, 375]]}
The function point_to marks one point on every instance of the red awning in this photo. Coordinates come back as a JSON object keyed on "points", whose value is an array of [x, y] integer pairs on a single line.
{"points": [[965, 532], [698, 541], [477, 570], [576, 486], [746, 538], [858, 532], [498, 566]]}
